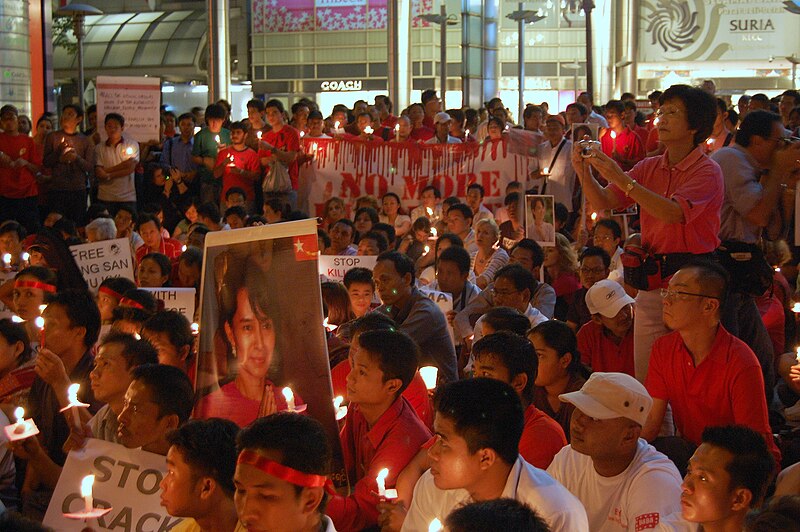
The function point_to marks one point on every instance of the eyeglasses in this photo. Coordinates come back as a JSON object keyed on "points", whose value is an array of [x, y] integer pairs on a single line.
{"points": [[504, 292], [669, 112], [668, 293], [596, 271]]}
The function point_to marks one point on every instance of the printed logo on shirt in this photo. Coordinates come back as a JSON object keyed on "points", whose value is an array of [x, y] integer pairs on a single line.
{"points": [[647, 521]]}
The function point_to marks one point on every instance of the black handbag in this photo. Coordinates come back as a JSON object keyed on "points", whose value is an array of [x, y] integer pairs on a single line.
{"points": [[749, 271]]}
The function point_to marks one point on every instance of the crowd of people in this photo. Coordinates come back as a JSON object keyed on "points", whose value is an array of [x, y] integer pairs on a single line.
{"points": [[639, 374]]}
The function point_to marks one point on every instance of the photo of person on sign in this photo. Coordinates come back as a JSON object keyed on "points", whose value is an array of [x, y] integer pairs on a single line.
{"points": [[249, 325]]}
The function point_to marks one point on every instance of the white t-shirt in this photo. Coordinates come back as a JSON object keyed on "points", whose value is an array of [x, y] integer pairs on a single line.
{"points": [[636, 499], [525, 483], [120, 188]]}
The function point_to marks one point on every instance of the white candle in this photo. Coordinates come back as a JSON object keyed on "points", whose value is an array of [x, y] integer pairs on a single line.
{"points": [[336, 126], [314, 147], [397, 132], [381, 480], [614, 139], [21, 426], [86, 493], [289, 396], [258, 135], [427, 250], [195, 328], [216, 138], [434, 233], [429, 374], [197, 129], [341, 411], [7, 259], [435, 526]]}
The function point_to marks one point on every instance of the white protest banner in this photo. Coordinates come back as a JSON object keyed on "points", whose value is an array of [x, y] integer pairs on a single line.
{"points": [[126, 480], [333, 267], [136, 99], [444, 301], [101, 260], [349, 169], [180, 299], [6, 275]]}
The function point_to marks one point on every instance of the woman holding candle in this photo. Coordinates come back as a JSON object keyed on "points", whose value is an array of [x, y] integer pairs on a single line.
{"points": [[489, 258], [249, 325]]}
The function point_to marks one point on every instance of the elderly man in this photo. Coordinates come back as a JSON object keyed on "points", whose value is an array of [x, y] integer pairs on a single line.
{"points": [[441, 123]]}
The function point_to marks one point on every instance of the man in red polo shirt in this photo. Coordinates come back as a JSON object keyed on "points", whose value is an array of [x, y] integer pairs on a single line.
{"points": [[18, 189], [606, 342], [619, 141], [381, 430], [280, 145], [704, 373]]}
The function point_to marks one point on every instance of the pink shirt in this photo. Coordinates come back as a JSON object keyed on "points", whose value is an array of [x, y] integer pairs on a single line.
{"points": [[696, 184]]}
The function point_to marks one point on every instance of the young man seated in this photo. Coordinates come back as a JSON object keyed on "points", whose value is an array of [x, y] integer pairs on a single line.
{"points": [[381, 429], [281, 474], [594, 264], [171, 334], [475, 457], [159, 399], [198, 486], [727, 477], [606, 342], [622, 481], [510, 358]]}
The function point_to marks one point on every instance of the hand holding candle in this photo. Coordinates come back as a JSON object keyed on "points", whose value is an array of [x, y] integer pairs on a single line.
{"points": [[290, 405], [89, 511], [381, 481], [74, 404], [22, 429]]}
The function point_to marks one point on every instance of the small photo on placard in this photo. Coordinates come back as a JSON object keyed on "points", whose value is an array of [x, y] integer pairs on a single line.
{"points": [[540, 219]]}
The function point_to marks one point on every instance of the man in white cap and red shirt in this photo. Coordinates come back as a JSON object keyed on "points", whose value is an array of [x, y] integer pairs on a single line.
{"points": [[606, 341], [622, 481], [441, 123]]}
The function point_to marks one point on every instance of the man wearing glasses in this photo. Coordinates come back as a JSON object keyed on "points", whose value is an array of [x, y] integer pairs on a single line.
{"points": [[679, 195], [704, 373]]}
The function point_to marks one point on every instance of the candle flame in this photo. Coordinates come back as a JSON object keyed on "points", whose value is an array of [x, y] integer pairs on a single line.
{"points": [[336, 125], [594, 216], [314, 146], [42, 309], [129, 151], [195, 328], [7, 258], [709, 141], [546, 170], [466, 133], [72, 394], [17, 319], [302, 134], [258, 135], [396, 128], [197, 129], [19, 413], [429, 211], [329, 326], [337, 401], [368, 130], [427, 249], [183, 247], [656, 120], [26, 256], [434, 232], [39, 322], [287, 394], [382, 474], [429, 374], [796, 308], [216, 138], [435, 526], [86, 486], [613, 134]]}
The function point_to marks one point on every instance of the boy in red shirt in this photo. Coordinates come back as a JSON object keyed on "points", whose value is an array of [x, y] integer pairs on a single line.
{"points": [[381, 429], [619, 141], [281, 144], [510, 358], [238, 165]]}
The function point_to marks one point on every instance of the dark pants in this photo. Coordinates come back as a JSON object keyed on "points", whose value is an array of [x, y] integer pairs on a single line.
{"points": [[23, 210], [70, 203]]}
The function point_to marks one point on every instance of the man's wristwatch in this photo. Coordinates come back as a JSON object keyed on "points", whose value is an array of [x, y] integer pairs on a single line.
{"points": [[629, 188]]}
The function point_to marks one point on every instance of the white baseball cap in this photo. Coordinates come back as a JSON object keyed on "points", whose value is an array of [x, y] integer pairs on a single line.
{"points": [[611, 395], [607, 297], [441, 118]]}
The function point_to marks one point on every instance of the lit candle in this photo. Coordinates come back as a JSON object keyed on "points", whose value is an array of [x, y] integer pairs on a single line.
{"points": [[197, 129], [466, 133], [778, 269], [435, 526], [216, 139], [74, 404], [314, 147], [86, 493], [336, 127], [368, 130], [7, 259], [427, 250], [614, 139], [302, 134], [545, 171], [329, 326], [22, 429], [17, 319], [39, 322], [195, 328], [128, 151], [429, 211], [42, 308], [381, 480], [429, 374], [397, 132], [341, 411], [231, 160], [20, 425], [709, 142], [25, 256], [258, 135], [796, 308], [594, 216], [289, 396], [434, 233], [798, 355], [183, 247]]}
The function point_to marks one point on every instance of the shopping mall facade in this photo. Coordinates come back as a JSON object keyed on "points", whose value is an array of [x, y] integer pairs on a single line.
{"points": [[336, 50]]}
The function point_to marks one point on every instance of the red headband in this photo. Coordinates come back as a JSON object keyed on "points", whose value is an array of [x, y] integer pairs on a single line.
{"points": [[106, 290], [35, 284], [293, 476], [128, 302]]}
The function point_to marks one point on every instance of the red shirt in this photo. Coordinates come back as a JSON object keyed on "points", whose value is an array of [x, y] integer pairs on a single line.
{"points": [[542, 438], [416, 393], [601, 353], [627, 144], [422, 133], [696, 185], [643, 133], [391, 443], [19, 182], [652, 140], [246, 159], [725, 388], [565, 284], [169, 246], [287, 139], [390, 122]]}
